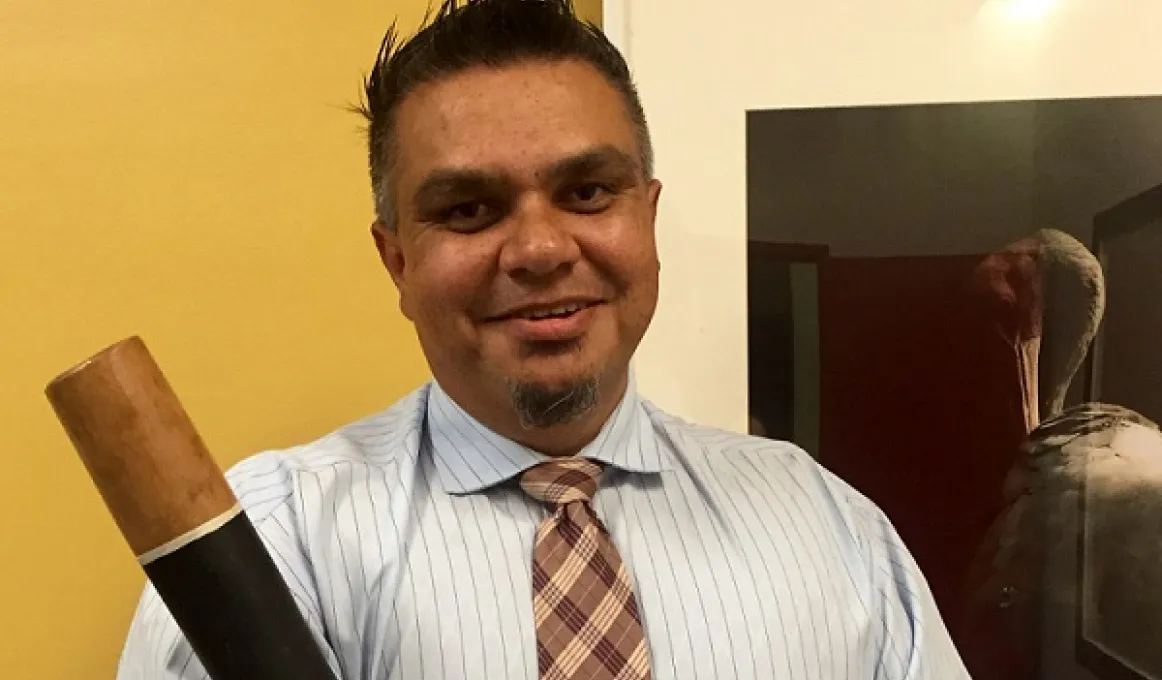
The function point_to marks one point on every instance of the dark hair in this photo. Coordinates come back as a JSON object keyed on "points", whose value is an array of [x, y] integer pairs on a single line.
{"points": [[495, 33]]}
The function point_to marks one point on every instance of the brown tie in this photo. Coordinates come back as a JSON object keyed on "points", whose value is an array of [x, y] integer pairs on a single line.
{"points": [[588, 625]]}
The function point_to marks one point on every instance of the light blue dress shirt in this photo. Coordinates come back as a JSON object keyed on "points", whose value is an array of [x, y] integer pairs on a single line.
{"points": [[408, 548]]}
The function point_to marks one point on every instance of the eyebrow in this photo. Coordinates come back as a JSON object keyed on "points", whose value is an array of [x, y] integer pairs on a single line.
{"points": [[449, 182], [605, 158]]}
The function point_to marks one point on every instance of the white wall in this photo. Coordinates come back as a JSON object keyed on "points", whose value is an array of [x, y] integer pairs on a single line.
{"points": [[700, 66]]}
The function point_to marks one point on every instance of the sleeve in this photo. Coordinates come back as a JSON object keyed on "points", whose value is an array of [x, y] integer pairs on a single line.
{"points": [[913, 641], [156, 649]]}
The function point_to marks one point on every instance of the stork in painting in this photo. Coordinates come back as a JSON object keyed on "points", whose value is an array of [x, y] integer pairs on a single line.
{"points": [[1111, 454]]}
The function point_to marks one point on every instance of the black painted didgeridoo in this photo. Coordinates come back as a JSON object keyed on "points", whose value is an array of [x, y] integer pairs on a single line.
{"points": [[176, 511]]}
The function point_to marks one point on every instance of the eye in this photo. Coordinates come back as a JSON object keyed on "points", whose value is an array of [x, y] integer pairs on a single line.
{"points": [[588, 192], [467, 211], [468, 216], [590, 197]]}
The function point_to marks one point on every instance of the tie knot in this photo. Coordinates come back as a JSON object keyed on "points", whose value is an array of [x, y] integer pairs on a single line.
{"points": [[562, 481]]}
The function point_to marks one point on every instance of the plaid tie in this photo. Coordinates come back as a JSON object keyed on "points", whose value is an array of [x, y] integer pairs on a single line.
{"points": [[587, 618]]}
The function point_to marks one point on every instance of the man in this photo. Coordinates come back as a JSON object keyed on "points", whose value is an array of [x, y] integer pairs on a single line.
{"points": [[527, 515]]}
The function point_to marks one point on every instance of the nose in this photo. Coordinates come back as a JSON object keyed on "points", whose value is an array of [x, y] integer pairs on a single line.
{"points": [[540, 243]]}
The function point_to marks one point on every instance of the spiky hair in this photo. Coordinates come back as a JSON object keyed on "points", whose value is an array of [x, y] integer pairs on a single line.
{"points": [[463, 34]]}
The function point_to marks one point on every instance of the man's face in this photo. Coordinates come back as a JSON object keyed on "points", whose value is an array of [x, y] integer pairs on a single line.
{"points": [[525, 250]]}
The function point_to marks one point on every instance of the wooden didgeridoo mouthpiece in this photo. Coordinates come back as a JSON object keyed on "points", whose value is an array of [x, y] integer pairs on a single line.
{"points": [[173, 505]]}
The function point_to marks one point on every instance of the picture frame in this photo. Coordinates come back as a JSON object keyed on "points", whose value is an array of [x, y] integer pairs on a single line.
{"points": [[1100, 659]]}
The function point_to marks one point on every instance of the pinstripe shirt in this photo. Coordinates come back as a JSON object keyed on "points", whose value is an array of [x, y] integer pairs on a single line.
{"points": [[407, 545]]}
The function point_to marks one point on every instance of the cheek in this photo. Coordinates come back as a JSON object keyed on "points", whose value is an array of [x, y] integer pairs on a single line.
{"points": [[632, 261], [629, 267], [446, 285], [640, 269], [644, 298]]}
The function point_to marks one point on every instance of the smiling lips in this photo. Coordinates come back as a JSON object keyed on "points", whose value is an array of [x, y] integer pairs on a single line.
{"points": [[559, 310], [558, 322]]}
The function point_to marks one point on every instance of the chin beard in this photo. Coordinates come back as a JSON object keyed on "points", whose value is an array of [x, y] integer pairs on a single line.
{"points": [[539, 407]]}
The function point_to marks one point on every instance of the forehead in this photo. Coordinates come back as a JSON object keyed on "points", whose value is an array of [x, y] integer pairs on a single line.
{"points": [[515, 119]]}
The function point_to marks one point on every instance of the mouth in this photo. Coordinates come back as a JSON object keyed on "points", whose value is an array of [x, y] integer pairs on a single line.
{"points": [[555, 322], [560, 311]]}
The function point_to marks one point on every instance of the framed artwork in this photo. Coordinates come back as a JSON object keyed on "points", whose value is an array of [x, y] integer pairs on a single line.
{"points": [[870, 347]]}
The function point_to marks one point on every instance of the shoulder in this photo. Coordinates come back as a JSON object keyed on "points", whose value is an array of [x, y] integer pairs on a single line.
{"points": [[373, 446], [746, 463], [292, 496]]}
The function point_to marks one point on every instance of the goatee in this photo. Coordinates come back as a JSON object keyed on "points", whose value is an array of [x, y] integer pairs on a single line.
{"points": [[540, 407]]}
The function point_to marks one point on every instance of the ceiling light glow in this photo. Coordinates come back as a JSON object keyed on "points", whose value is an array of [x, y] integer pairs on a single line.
{"points": [[1019, 10]]}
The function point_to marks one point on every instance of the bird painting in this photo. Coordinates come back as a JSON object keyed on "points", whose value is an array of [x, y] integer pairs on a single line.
{"points": [[1070, 574]]}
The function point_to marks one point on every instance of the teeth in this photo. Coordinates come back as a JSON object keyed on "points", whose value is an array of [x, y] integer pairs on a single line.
{"points": [[556, 311]]}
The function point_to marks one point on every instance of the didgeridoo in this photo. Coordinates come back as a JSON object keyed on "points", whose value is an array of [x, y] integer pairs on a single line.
{"points": [[176, 511]]}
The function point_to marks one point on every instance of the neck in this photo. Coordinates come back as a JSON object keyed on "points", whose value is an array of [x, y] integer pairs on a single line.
{"points": [[1058, 392], [495, 411], [1069, 333], [1073, 303]]}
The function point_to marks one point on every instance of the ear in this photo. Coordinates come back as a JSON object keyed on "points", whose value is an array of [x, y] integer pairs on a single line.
{"points": [[654, 192], [387, 242]]}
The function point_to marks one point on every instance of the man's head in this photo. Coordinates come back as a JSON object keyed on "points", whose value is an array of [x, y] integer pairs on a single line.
{"points": [[515, 199]]}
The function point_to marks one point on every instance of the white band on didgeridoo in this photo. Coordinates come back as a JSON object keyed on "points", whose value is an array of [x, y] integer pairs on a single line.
{"points": [[189, 537]]}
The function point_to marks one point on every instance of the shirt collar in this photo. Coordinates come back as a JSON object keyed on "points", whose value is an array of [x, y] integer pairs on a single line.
{"points": [[469, 457]]}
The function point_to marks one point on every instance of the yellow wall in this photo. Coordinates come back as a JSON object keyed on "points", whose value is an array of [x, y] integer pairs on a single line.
{"points": [[185, 171]]}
